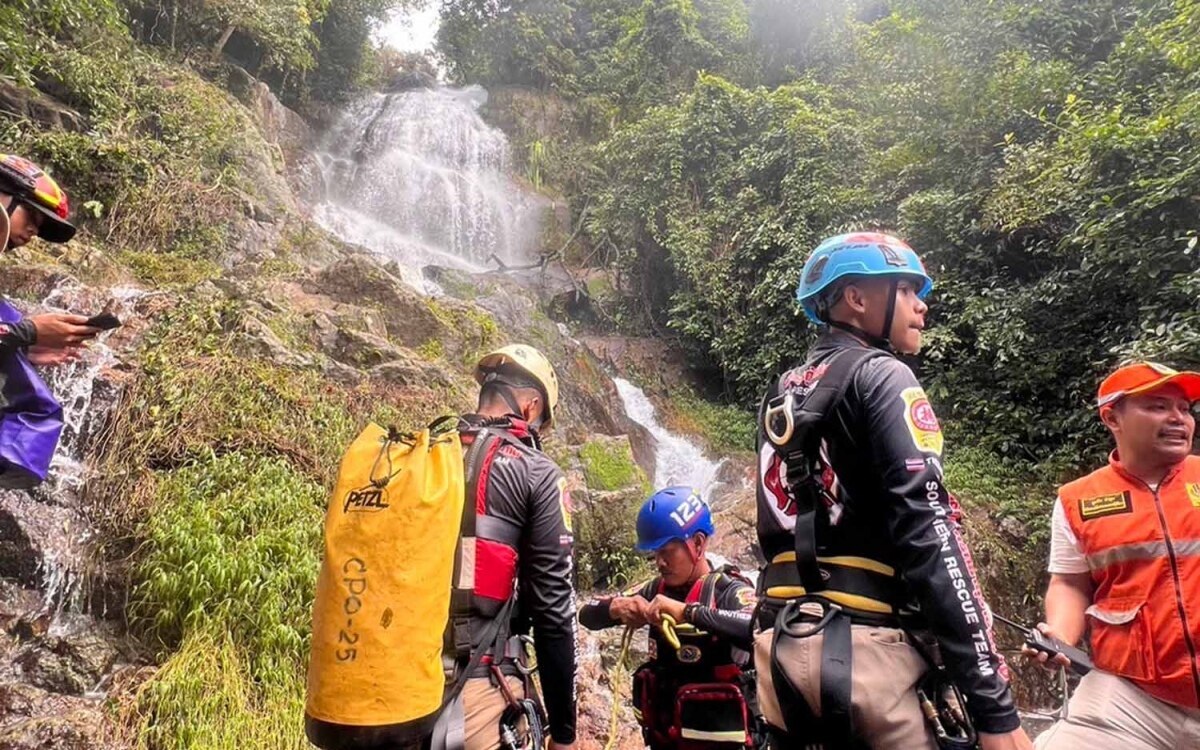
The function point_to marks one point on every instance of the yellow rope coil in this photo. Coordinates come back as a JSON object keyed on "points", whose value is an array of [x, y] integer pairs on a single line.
{"points": [[612, 684]]}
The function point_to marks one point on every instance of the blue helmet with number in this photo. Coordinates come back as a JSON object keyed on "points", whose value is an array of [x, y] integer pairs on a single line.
{"points": [[673, 513], [856, 254]]}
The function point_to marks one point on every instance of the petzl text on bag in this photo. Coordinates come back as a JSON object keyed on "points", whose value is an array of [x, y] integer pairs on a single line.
{"points": [[383, 594]]}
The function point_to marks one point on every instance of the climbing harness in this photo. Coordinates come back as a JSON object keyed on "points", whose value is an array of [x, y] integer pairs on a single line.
{"points": [[528, 710]]}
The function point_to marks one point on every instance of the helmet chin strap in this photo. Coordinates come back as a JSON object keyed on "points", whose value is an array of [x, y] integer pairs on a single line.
{"points": [[883, 342], [507, 394], [695, 557], [893, 290]]}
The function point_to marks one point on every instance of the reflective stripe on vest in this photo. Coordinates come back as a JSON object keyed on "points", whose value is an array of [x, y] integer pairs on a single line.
{"points": [[1143, 550]]}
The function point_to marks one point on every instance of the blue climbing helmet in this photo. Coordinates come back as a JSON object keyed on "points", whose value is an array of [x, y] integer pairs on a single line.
{"points": [[856, 254], [673, 513]]}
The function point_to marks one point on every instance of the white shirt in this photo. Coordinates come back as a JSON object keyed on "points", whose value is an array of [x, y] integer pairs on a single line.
{"points": [[1065, 556]]}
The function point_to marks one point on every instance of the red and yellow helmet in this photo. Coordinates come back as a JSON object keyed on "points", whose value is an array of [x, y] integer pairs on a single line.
{"points": [[30, 184]]}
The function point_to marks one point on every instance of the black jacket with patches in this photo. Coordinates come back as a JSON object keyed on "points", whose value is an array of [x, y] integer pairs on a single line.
{"points": [[729, 617], [526, 490], [886, 500]]}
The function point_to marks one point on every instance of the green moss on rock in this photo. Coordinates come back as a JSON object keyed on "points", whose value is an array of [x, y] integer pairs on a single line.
{"points": [[608, 464]]}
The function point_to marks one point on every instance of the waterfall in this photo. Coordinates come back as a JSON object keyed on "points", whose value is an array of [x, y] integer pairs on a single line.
{"points": [[51, 515], [420, 178], [677, 461]]}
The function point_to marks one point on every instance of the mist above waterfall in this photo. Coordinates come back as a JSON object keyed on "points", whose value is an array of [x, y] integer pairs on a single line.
{"points": [[419, 177]]}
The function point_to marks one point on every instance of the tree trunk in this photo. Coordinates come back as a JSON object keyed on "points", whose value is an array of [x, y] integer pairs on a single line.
{"points": [[220, 45]]}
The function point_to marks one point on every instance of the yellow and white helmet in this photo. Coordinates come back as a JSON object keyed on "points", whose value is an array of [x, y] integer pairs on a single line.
{"points": [[529, 361]]}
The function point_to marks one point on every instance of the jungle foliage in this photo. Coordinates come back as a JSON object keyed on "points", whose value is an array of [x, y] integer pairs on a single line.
{"points": [[1043, 157]]}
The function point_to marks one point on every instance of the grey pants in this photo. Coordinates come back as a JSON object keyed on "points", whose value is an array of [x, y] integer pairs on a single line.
{"points": [[1108, 713]]}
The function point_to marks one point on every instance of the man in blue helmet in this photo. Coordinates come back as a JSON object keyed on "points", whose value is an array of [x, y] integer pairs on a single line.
{"points": [[692, 689], [874, 631]]}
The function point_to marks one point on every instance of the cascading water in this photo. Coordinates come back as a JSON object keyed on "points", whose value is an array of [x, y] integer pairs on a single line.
{"points": [[51, 514], [419, 177], [677, 461]]}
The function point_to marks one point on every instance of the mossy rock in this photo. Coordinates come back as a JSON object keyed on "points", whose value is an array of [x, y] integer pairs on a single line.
{"points": [[605, 534], [608, 464]]}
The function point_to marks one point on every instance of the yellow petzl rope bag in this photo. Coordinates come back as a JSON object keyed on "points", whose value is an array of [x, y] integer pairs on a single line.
{"points": [[375, 674]]}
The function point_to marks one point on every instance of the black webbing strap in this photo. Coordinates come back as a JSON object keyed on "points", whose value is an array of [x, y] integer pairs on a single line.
{"points": [[708, 589], [803, 729], [450, 740], [835, 728], [804, 469], [460, 597], [836, 654]]}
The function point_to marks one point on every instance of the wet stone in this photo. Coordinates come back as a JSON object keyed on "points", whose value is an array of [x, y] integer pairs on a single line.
{"points": [[71, 663]]}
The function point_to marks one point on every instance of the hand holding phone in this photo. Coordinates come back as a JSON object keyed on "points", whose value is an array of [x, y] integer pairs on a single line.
{"points": [[104, 321]]}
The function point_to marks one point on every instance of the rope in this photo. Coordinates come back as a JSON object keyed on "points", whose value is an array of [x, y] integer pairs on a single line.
{"points": [[671, 630], [612, 683]]}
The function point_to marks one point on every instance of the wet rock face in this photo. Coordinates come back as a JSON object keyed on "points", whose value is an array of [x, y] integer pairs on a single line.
{"points": [[601, 684], [589, 402], [27, 532], [54, 661], [72, 661], [358, 280], [36, 720], [52, 674]]}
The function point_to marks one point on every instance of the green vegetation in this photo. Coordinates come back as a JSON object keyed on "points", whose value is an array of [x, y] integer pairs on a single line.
{"points": [[724, 428], [1043, 157], [605, 558], [216, 466], [227, 579], [609, 465], [208, 696], [605, 514]]}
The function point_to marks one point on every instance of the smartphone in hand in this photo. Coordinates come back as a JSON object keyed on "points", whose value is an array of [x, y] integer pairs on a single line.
{"points": [[104, 321]]}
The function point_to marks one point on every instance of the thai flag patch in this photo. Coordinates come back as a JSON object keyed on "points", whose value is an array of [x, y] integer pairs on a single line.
{"points": [[914, 464]]}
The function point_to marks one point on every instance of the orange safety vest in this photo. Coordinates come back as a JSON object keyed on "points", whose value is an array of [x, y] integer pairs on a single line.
{"points": [[1143, 549]]}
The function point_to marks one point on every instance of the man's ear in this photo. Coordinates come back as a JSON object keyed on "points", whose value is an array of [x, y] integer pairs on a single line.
{"points": [[855, 298], [1108, 415], [533, 410]]}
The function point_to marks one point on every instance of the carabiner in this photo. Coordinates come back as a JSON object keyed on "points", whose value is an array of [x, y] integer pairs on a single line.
{"points": [[784, 407], [525, 640], [791, 610]]}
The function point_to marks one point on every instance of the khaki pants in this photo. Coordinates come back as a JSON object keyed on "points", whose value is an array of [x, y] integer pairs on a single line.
{"points": [[483, 704], [885, 669], [1109, 713]]}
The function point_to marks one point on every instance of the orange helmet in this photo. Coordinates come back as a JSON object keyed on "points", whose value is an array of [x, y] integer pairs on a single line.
{"points": [[28, 183]]}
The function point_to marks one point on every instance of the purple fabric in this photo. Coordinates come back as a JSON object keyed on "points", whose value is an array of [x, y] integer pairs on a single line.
{"points": [[30, 418]]}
